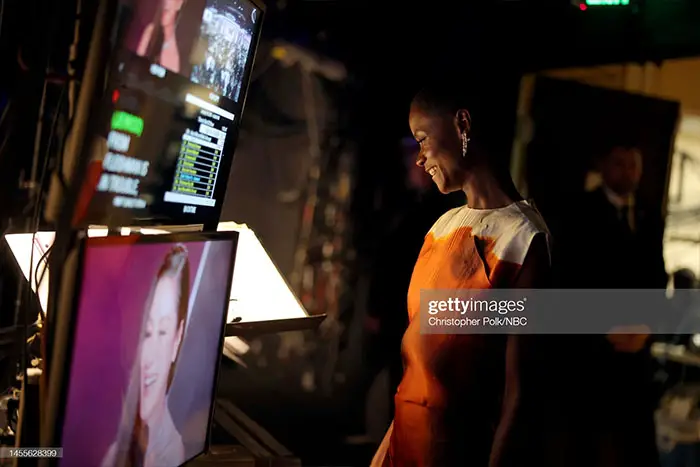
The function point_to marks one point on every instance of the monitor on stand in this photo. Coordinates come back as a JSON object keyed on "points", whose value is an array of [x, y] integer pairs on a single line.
{"points": [[144, 349], [161, 139]]}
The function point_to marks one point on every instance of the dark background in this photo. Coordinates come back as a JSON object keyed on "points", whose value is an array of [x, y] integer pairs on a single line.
{"points": [[577, 124], [389, 49]]}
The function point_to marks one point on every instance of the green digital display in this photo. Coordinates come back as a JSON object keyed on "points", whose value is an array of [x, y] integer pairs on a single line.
{"points": [[607, 2], [126, 122]]}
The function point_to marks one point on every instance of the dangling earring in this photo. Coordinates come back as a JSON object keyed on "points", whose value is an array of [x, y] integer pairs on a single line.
{"points": [[465, 142]]}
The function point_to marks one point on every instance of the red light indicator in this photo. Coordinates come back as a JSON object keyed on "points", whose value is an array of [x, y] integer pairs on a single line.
{"points": [[583, 7], [115, 96]]}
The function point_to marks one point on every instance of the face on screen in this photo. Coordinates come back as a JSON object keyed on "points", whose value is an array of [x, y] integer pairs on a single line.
{"points": [[161, 340], [152, 324]]}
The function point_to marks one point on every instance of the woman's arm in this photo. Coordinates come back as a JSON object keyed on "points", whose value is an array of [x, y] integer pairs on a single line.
{"points": [[523, 354], [142, 49], [383, 449]]}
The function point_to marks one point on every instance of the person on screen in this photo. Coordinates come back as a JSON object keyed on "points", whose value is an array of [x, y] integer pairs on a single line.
{"points": [[159, 41], [149, 437]]}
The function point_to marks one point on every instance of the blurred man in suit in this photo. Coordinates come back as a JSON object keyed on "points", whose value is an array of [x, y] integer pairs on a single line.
{"points": [[614, 240], [630, 234]]}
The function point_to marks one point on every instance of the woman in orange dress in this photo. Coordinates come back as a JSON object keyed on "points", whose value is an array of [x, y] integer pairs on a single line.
{"points": [[459, 403]]}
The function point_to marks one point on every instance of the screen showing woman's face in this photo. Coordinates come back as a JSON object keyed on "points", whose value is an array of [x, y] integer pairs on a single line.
{"points": [[159, 347]]}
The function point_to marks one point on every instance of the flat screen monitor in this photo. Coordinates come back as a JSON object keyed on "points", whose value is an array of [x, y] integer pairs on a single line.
{"points": [[161, 141], [146, 343]]}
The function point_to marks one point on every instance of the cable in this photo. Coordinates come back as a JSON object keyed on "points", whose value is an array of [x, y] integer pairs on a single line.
{"points": [[35, 221], [73, 90], [44, 259], [2, 14], [59, 107], [6, 110], [39, 201], [40, 278], [5, 113]]}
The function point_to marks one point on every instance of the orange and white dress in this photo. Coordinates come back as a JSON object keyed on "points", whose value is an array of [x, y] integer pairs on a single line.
{"points": [[449, 401]]}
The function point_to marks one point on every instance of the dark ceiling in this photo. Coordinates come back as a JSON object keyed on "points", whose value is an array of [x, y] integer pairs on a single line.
{"points": [[391, 48], [522, 34]]}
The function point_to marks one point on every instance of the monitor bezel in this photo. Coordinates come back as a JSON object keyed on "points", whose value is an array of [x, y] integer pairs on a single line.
{"points": [[212, 216], [67, 366]]}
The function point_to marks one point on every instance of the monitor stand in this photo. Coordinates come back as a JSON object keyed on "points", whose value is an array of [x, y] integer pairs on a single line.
{"points": [[253, 329], [256, 443], [257, 446]]}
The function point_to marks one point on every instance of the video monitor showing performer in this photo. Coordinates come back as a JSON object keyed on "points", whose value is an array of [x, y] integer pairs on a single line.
{"points": [[162, 140], [207, 41], [146, 349]]}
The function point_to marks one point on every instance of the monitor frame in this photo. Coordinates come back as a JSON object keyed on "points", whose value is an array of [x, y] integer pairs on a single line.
{"points": [[210, 218], [61, 376]]}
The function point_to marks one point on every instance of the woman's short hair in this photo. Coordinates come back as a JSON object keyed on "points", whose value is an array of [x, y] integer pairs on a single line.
{"points": [[447, 94], [452, 91]]}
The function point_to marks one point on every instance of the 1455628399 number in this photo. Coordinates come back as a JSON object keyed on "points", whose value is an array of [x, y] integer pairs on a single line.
{"points": [[11, 453]]}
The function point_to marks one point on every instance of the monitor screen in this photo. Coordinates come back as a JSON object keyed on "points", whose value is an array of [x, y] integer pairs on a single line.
{"points": [[147, 339], [162, 140]]}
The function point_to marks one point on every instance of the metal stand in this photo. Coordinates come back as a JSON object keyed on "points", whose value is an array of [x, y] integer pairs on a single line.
{"points": [[28, 419], [257, 448]]}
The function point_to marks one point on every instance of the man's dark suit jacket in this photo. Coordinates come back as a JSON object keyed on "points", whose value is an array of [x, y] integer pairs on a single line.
{"points": [[613, 389], [605, 255]]}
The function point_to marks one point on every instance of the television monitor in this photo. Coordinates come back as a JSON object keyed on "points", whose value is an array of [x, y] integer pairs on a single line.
{"points": [[259, 292], [161, 141], [146, 339]]}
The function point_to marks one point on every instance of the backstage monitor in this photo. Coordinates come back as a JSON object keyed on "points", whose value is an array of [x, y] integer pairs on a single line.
{"points": [[161, 140], [146, 346]]}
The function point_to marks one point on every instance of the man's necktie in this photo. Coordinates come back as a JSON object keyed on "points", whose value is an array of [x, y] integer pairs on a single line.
{"points": [[625, 219]]}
